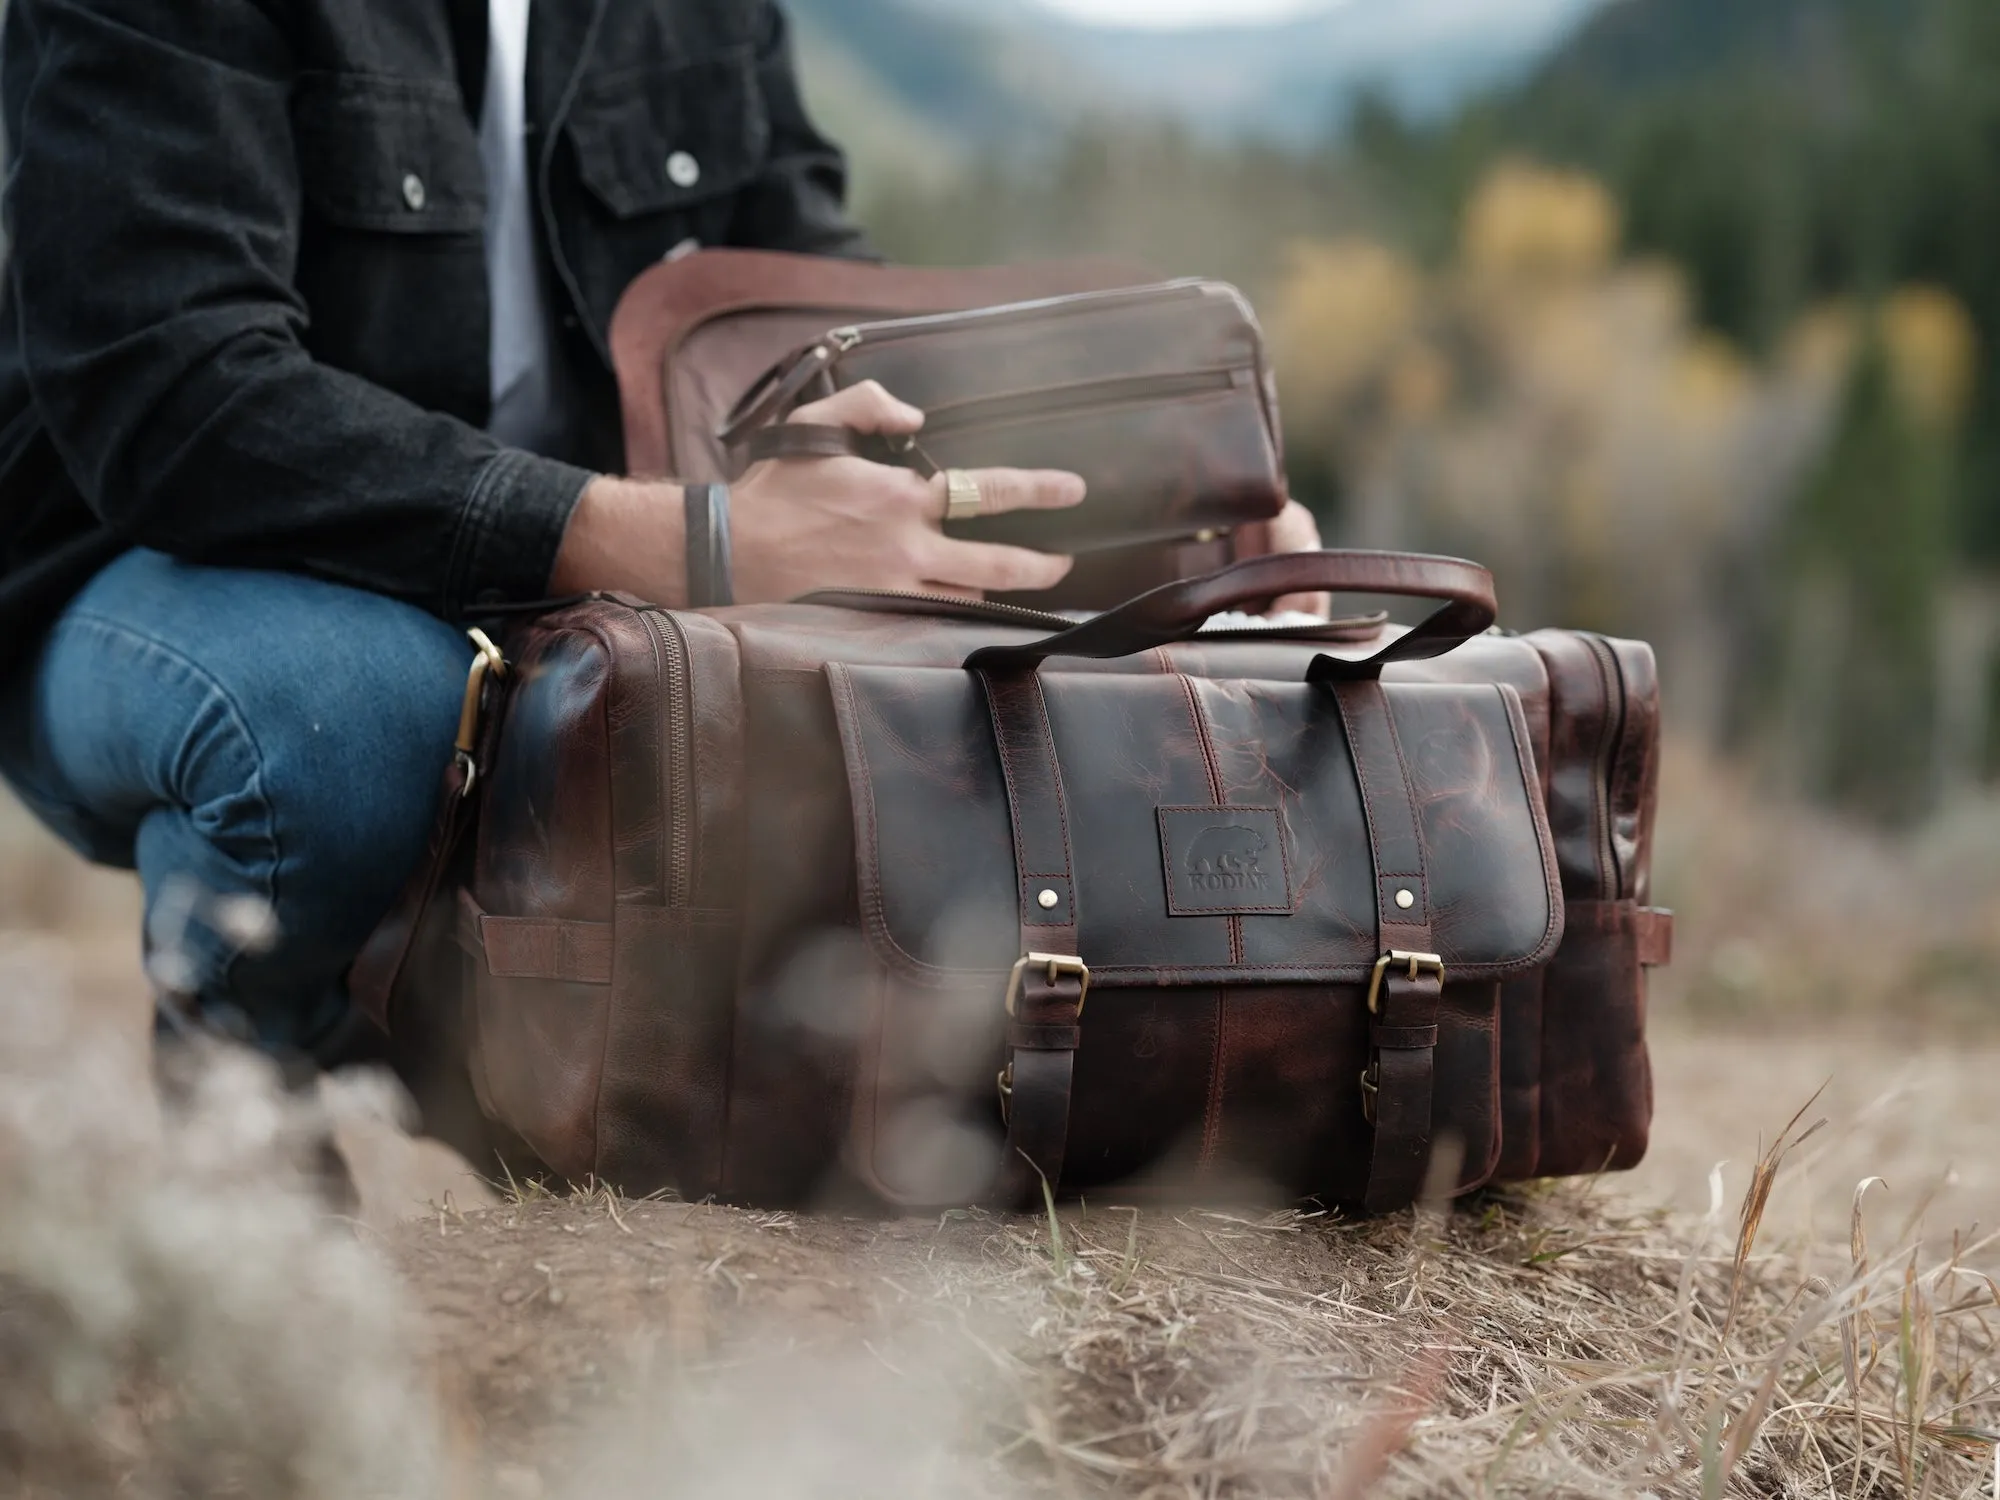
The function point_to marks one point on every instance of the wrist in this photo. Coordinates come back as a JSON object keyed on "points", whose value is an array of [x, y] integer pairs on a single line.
{"points": [[625, 536]]}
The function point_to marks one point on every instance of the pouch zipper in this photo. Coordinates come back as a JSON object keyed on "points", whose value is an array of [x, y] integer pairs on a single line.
{"points": [[853, 335], [983, 609], [1091, 394], [1041, 619], [677, 679]]}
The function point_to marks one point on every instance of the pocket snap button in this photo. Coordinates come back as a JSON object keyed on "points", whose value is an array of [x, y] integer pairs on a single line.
{"points": [[683, 170], [413, 191]]}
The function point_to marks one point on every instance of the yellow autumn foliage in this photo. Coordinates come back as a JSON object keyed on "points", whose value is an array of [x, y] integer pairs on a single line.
{"points": [[1529, 219], [1343, 309], [1933, 352]]}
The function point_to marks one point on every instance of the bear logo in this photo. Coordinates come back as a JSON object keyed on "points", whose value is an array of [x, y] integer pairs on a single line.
{"points": [[1226, 857]]}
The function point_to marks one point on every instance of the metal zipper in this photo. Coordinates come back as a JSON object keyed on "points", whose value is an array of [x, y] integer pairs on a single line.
{"points": [[855, 334], [1083, 395], [1613, 884], [676, 686]]}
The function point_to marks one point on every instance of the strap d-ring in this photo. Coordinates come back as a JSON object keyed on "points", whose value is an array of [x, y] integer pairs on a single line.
{"points": [[486, 662]]}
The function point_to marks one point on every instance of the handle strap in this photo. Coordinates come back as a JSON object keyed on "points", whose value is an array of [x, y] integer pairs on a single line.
{"points": [[804, 440], [795, 440], [1176, 611]]}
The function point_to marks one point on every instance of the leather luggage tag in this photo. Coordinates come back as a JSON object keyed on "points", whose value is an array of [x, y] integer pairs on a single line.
{"points": [[1225, 859]]}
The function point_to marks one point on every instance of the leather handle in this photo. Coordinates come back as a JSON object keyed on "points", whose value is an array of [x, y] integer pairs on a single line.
{"points": [[1176, 611], [794, 440]]}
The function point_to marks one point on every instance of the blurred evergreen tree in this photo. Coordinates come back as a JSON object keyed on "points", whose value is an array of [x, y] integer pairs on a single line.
{"points": [[1867, 557]]}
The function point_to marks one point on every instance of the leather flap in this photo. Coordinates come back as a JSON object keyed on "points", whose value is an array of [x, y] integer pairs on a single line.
{"points": [[1217, 829]]}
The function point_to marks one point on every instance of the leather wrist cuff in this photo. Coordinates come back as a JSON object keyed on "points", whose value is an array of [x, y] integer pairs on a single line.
{"points": [[708, 563]]}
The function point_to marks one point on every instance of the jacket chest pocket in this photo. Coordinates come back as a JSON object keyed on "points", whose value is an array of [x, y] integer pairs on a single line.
{"points": [[393, 155], [664, 139]]}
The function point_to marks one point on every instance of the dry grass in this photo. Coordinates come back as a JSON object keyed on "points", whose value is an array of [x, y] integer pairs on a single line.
{"points": [[1549, 1343]]}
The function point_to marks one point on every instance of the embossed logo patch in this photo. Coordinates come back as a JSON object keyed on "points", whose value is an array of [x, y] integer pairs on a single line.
{"points": [[1225, 860]]}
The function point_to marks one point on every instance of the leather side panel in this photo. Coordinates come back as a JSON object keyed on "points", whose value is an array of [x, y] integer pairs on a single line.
{"points": [[663, 1111], [1597, 1082], [544, 836], [808, 993], [1584, 712], [1635, 769]]}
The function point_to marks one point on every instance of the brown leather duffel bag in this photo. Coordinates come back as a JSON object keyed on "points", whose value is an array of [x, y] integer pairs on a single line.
{"points": [[944, 900]]}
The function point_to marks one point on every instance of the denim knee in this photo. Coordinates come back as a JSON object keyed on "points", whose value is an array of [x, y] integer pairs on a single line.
{"points": [[251, 734]]}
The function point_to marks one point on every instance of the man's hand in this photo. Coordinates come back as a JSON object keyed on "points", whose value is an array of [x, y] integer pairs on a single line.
{"points": [[803, 524], [1295, 530]]}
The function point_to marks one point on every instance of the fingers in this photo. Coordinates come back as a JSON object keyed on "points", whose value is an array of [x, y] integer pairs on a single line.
{"points": [[986, 568], [1295, 530], [866, 407], [1017, 489]]}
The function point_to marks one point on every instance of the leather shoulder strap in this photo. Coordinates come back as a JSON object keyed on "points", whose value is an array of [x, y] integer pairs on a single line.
{"points": [[377, 969]]}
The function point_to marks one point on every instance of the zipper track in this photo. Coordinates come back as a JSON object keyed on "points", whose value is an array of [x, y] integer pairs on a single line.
{"points": [[676, 686], [1020, 614], [882, 330], [1112, 391], [1613, 883], [954, 606]]}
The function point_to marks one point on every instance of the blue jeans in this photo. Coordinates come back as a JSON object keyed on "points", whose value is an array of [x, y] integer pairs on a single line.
{"points": [[264, 749]]}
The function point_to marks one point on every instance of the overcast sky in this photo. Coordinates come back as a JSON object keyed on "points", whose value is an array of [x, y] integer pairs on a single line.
{"points": [[1181, 12]]}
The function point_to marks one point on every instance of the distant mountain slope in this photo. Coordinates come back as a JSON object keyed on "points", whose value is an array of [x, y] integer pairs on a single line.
{"points": [[1004, 72], [1650, 44], [1294, 80]]}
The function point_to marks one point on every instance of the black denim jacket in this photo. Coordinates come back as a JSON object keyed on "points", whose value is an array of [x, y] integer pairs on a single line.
{"points": [[246, 317]]}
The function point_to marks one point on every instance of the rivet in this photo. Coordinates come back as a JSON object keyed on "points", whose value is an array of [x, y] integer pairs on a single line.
{"points": [[1047, 899], [413, 192], [1406, 899]]}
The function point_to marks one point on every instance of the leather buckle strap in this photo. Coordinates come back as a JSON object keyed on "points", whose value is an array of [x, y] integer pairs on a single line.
{"points": [[1048, 984], [1416, 963], [1057, 965], [1407, 985]]}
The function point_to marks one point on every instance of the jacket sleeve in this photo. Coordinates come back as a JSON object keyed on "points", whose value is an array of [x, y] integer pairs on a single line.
{"points": [[153, 209], [798, 202]]}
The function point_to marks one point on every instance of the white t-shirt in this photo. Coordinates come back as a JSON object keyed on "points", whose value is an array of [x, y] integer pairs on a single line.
{"points": [[523, 414]]}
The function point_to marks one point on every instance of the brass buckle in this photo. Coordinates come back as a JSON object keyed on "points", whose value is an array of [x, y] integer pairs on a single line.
{"points": [[488, 662], [1371, 1086], [1058, 964], [1004, 1081], [1419, 963]]}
